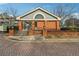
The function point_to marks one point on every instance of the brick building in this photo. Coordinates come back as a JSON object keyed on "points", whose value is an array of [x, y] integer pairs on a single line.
{"points": [[39, 19]]}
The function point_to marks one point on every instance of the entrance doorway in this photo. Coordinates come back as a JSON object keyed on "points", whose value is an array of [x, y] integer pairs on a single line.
{"points": [[38, 16]]}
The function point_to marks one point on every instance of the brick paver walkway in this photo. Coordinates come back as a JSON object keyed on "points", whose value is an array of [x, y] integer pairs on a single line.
{"points": [[12, 48]]}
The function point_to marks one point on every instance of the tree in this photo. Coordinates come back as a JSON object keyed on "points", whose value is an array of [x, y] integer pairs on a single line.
{"points": [[12, 12], [72, 23], [4, 16], [63, 11]]}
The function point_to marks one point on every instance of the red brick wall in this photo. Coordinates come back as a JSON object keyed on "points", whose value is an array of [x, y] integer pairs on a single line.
{"points": [[64, 33], [40, 24], [49, 25]]}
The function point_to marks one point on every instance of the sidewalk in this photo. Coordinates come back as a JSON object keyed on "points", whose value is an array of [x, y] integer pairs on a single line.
{"points": [[39, 39]]}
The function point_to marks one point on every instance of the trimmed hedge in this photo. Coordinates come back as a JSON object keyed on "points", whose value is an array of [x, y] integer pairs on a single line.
{"points": [[69, 29]]}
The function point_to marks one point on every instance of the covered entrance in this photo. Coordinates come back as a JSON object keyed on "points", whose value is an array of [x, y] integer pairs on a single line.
{"points": [[38, 17]]}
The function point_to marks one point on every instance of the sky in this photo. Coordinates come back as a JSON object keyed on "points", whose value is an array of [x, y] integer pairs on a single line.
{"points": [[22, 8]]}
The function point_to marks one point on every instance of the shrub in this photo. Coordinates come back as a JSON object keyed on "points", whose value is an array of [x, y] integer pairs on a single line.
{"points": [[16, 28], [65, 29]]}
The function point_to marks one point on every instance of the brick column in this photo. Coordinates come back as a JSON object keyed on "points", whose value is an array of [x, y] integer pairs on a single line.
{"points": [[58, 25], [33, 25], [11, 31], [20, 26], [31, 31], [44, 30]]}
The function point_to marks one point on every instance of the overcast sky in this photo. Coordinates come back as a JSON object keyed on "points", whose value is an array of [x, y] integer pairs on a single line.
{"points": [[24, 7]]}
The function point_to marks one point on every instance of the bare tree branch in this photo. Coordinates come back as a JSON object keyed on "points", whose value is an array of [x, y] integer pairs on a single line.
{"points": [[64, 11], [13, 12]]}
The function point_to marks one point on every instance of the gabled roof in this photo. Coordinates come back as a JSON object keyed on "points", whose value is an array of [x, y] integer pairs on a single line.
{"points": [[38, 9]]}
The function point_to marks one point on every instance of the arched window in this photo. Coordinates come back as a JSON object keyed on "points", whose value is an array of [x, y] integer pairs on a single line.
{"points": [[39, 16]]}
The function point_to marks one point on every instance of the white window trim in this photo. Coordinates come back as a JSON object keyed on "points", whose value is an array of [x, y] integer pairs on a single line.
{"points": [[37, 14]]}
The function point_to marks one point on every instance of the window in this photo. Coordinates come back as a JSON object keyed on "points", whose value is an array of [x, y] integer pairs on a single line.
{"points": [[39, 16]]}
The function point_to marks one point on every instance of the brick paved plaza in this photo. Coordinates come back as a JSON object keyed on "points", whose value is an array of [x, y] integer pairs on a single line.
{"points": [[41, 48]]}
